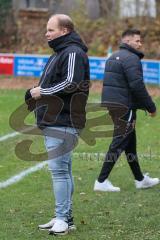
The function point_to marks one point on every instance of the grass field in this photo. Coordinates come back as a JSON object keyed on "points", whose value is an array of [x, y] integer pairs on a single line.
{"points": [[128, 215]]}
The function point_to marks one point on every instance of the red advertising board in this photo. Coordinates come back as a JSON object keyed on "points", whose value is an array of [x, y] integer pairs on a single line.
{"points": [[6, 64]]}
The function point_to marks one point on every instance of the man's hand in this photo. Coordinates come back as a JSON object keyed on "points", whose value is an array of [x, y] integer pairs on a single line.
{"points": [[35, 92], [134, 124], [153, 114]]}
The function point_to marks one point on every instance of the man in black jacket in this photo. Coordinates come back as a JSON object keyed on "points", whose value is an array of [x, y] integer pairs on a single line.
{"points": [[60, 101], [123, 93]]}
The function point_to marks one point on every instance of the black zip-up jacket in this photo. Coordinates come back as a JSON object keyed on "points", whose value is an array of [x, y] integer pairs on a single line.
{"points": [[123, 80], [64, 84]]}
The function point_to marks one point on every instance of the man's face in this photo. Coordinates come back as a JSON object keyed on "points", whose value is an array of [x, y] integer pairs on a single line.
{"points": [[53, 30], [134, 41]]}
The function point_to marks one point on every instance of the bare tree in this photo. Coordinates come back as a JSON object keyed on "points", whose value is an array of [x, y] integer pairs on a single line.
{"points": [[5, 6], [137, 6], [93, 8], [109, 8], [158, 7], [102, 8]]}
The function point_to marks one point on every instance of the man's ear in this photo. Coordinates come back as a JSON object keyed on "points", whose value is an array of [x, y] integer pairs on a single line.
{"points": [[65, 31], [125, 40]]}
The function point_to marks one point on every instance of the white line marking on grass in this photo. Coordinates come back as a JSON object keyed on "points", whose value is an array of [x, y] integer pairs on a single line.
{"points": [[33, 169], [14, 134], [7, 136], [22, 174]]}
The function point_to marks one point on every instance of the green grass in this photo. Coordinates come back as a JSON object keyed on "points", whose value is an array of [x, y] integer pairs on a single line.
{"points": [[128, 215]]}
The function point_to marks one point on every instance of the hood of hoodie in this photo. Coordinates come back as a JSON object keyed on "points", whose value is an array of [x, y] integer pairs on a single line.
{"points": [[66, 40], [131, 49]]}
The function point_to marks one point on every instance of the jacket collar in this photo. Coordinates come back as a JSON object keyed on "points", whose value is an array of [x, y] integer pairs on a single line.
{"points": [[64, 41], [131, 49]]}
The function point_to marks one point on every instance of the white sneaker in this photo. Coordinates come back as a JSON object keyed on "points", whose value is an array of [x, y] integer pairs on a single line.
{"points": [[48, 225], [147, 182], [105, 186], [60, 227], [71, 225]]}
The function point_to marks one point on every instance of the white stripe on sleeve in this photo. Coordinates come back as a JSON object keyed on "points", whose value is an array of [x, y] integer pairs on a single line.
{"points": [[130, 116], [66, 82]]}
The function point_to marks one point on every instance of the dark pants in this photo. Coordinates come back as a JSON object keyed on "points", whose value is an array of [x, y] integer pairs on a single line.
{"points": [[124, 139]]}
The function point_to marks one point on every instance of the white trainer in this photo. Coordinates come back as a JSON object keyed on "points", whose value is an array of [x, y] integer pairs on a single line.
{"points": [[147, 182], [60, 227], [48, 225], [105, 186]]}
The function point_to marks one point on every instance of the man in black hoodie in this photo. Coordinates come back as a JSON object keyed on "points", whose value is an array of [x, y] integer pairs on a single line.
{"points": [[60, 101], [123, 93]]}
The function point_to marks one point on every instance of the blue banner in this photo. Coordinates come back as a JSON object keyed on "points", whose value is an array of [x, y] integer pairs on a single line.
{"points": [[151, 71], [29, 66], [97, 65], [32, 66]]}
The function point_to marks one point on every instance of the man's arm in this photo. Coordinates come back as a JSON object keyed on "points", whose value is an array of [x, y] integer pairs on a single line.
{"points": [[72, 73], [134, 75]]}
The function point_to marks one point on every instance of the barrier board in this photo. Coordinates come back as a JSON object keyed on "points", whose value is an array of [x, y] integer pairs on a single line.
{"points": [[32, 66]]}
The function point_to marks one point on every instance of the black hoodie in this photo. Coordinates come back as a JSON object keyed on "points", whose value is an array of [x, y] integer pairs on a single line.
{"points": [[123, 80], [64, 84]]}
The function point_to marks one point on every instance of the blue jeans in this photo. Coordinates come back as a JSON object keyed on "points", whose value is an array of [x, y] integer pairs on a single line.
{"points": [[60, 141]]}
